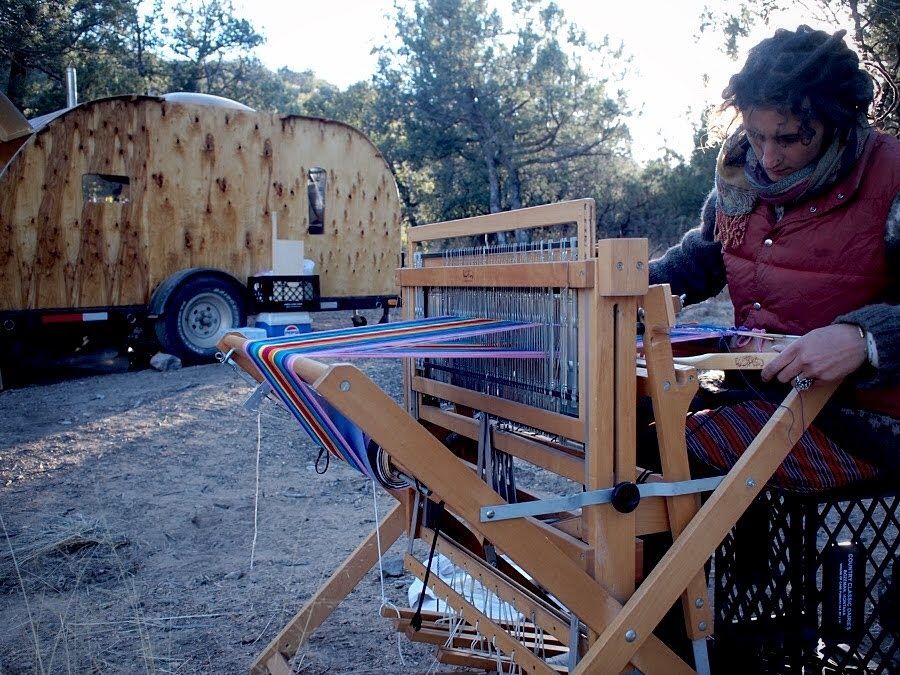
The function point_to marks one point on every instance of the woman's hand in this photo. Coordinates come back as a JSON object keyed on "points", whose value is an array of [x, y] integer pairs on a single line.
{"points": [[825, 354]]}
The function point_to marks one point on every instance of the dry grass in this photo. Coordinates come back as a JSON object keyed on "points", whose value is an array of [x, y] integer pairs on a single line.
{"points": [[84, 612], [716, 311]]}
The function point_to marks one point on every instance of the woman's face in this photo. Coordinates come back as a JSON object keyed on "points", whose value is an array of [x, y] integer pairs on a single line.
{"points": [[777, 140]]}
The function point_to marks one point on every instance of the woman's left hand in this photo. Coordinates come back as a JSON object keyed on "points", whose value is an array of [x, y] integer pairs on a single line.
{"points": [[825, 354]]}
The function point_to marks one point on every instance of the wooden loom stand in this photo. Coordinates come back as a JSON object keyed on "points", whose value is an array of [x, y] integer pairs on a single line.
{"points": [[611, 285], [593, 577]]}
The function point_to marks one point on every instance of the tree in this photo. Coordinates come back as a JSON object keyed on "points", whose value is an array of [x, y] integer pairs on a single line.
{"points": [[129, 61], [247, 80], [39, 39], [464, 93], [354, 105], [876, 30], [144, 41], [118, 47], [204, 36]]}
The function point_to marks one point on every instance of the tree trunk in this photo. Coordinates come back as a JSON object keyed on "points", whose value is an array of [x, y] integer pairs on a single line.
{"points": [[487, 140], [513, 186], [408, 204], [15, 87], [490, 163], [514, 195]]}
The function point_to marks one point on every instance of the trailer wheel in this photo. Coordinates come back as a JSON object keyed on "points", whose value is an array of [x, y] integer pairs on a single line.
{"points": [[197, 314]]}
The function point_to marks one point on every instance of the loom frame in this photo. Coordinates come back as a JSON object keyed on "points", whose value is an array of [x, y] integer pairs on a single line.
{"points": [[588, 561]]}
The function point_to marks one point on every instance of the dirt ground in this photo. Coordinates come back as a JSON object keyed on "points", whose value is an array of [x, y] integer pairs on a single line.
{"points": [[131, 514], [129, 503]]}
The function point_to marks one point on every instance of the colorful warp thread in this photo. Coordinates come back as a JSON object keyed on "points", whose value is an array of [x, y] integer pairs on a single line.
{"points": [[690, 332], [421, 338]]}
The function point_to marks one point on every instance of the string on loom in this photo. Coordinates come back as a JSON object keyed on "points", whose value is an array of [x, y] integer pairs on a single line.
{"points": [[447, 618], [384, 601], [455, 622], [747, 384], [453, 619], [478, 638], [497, 655], [539, 648], [256, 496], [690, 332]]}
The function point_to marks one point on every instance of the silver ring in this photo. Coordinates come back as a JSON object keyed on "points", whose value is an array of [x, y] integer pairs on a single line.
{"points": [[802, 383]]}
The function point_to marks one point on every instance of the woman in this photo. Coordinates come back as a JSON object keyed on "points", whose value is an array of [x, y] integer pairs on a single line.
{"points": [[804, 227]]}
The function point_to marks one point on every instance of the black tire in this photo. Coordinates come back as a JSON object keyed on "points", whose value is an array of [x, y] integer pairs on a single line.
{"points": [[358, 320], [196, 315]]}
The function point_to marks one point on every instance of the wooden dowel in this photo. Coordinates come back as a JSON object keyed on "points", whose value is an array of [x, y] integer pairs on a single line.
{"points": [[728, 361], [309, 370]]}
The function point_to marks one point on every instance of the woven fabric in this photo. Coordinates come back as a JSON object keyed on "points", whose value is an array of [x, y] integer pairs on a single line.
{"points": [[815, 464]]}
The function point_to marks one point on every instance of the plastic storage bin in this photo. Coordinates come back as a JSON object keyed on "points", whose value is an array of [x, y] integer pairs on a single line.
{"points": [[808, 584]]}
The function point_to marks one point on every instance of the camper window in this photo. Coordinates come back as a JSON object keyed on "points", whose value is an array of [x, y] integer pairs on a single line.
{"points": [[98, 188], [315, 190]]}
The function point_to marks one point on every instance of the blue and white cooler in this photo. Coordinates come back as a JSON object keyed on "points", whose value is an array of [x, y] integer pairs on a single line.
{"points": [[278, 324]]}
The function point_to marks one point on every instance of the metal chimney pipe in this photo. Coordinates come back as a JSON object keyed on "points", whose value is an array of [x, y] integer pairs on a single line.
{"points": [[71, 87]]}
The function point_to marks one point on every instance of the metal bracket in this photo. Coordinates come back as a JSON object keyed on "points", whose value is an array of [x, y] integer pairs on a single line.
{"points": [[226, 357], [490, 514], [257, 395], [574, 656], [701, 656]]}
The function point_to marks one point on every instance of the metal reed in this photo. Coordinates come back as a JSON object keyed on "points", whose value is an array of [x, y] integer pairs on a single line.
{"points": [[550, 383]]}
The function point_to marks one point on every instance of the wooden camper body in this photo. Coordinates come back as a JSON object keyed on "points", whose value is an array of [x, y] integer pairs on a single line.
{"points": [[201, 179], [583, 559]]}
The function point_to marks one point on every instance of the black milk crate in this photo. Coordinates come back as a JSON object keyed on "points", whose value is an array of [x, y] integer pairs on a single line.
{"points": [[285, 293], [808, 584]]}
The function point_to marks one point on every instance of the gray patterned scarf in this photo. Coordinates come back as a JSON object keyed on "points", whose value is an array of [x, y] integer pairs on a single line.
{"points": [[741, 181]]}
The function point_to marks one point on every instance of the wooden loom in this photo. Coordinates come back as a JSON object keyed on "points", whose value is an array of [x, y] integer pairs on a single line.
{"points": [[580, 593]]}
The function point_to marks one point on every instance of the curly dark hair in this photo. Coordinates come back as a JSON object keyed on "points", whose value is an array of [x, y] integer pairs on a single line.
{"points": [[809, 72]]}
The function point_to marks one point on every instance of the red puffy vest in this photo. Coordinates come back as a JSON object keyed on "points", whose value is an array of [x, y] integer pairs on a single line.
{"points": [[824, 258]]}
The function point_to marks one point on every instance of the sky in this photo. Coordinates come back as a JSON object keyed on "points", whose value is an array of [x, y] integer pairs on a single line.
{"points": [[673, 75]]}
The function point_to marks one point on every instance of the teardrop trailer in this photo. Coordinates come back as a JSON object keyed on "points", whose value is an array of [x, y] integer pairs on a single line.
{"points": [[138, 220]]}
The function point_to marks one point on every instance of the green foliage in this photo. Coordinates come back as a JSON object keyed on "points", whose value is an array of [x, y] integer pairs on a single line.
{"points": [[38, 39], [203, 36], [118, 48], [506, 105]]}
